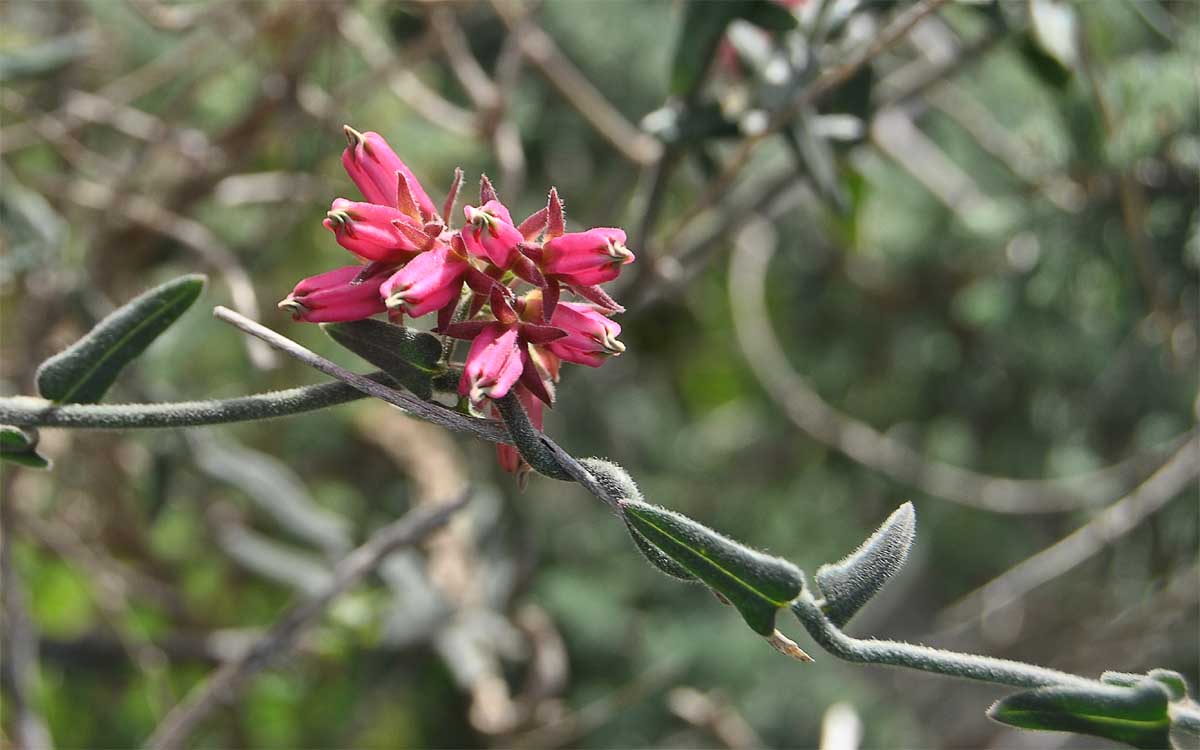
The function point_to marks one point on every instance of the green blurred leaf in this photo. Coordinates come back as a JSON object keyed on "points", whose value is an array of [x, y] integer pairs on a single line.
{"points": [[755, 583], [408, 356], [20, 446], [849, 584], [704, 25], [83, 372], [1134, 715]]}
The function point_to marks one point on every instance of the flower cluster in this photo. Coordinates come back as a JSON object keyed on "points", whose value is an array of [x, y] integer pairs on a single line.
{"points": [[494, 282]]}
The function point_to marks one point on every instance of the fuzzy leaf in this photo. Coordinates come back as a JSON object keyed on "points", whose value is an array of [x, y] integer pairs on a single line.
{"points": [[755, 583], [1134, 715], [849, 584], [620, 486], [84, 371], [19, 445], [1185, 724], [409, 357]]}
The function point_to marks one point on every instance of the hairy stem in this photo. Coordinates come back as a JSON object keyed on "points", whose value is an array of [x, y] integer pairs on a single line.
{"points": [[924, 658], [24, 411]]}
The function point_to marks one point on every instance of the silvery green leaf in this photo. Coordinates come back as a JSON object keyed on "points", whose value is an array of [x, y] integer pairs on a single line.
{"points": [[849, 584], [84, 371], [1134, 715], [755, 583]]}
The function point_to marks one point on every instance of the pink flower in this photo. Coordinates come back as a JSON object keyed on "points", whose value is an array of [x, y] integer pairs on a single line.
{"points": [[337, 296], [490, 233], [429, 282], [372, 164], [586, 258], [370, 231], [591, 337], [493, 365]]}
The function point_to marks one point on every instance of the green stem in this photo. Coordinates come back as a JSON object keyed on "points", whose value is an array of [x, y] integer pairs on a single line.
{"points": [[924, 658], [24, 411], [528, 439]]}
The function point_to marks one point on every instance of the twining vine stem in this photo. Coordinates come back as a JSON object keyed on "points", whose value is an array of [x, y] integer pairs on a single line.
{"points": [[542, 453]]}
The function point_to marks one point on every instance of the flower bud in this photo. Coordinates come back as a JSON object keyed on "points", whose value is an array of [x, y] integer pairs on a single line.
{"points": [[493, 364], [336, 296], [429, 282], [490, 233], [369, 231], [591, 337], [372, 164], [586, 258]]}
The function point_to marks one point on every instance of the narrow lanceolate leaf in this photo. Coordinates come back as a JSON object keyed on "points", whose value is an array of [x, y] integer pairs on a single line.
{"points": [[19, 445], [1134, 715], [757, 584], [82, 373], [849, 584], [409, 357]]}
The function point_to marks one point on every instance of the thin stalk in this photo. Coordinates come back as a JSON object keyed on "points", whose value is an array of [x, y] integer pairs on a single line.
{"points": [[924, 658], [25, 411]]}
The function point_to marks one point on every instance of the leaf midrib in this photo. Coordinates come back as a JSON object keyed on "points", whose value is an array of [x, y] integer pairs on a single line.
{"points": [[167, 306]]}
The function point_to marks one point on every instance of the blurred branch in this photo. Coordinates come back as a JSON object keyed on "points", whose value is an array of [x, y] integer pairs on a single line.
{"points": [[1057, 187], [483, 92], [714, 714], [359, 32], [861, 442], [149, 214], [1115, 521], [894, 134], [539, 48], [691, 249], [228, 681], [276, 489], [1129, 195], [18, 668]]}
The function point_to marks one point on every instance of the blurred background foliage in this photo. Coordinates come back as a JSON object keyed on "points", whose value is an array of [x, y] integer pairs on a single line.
{"points": [[984, 244]]}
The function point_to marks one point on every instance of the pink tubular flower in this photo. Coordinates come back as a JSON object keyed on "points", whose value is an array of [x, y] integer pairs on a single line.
{"points": [[493, 365], [586, 258], [372, 164], [490, 233], [591, 337], [369, 231], [429, 282], [337, 296]]}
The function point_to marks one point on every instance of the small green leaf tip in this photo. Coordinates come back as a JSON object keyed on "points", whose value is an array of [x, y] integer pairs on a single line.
{"points": [[84, 371], [755, 583], [408, 356], [1134, 715], [19, 445], [849, 584]]}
